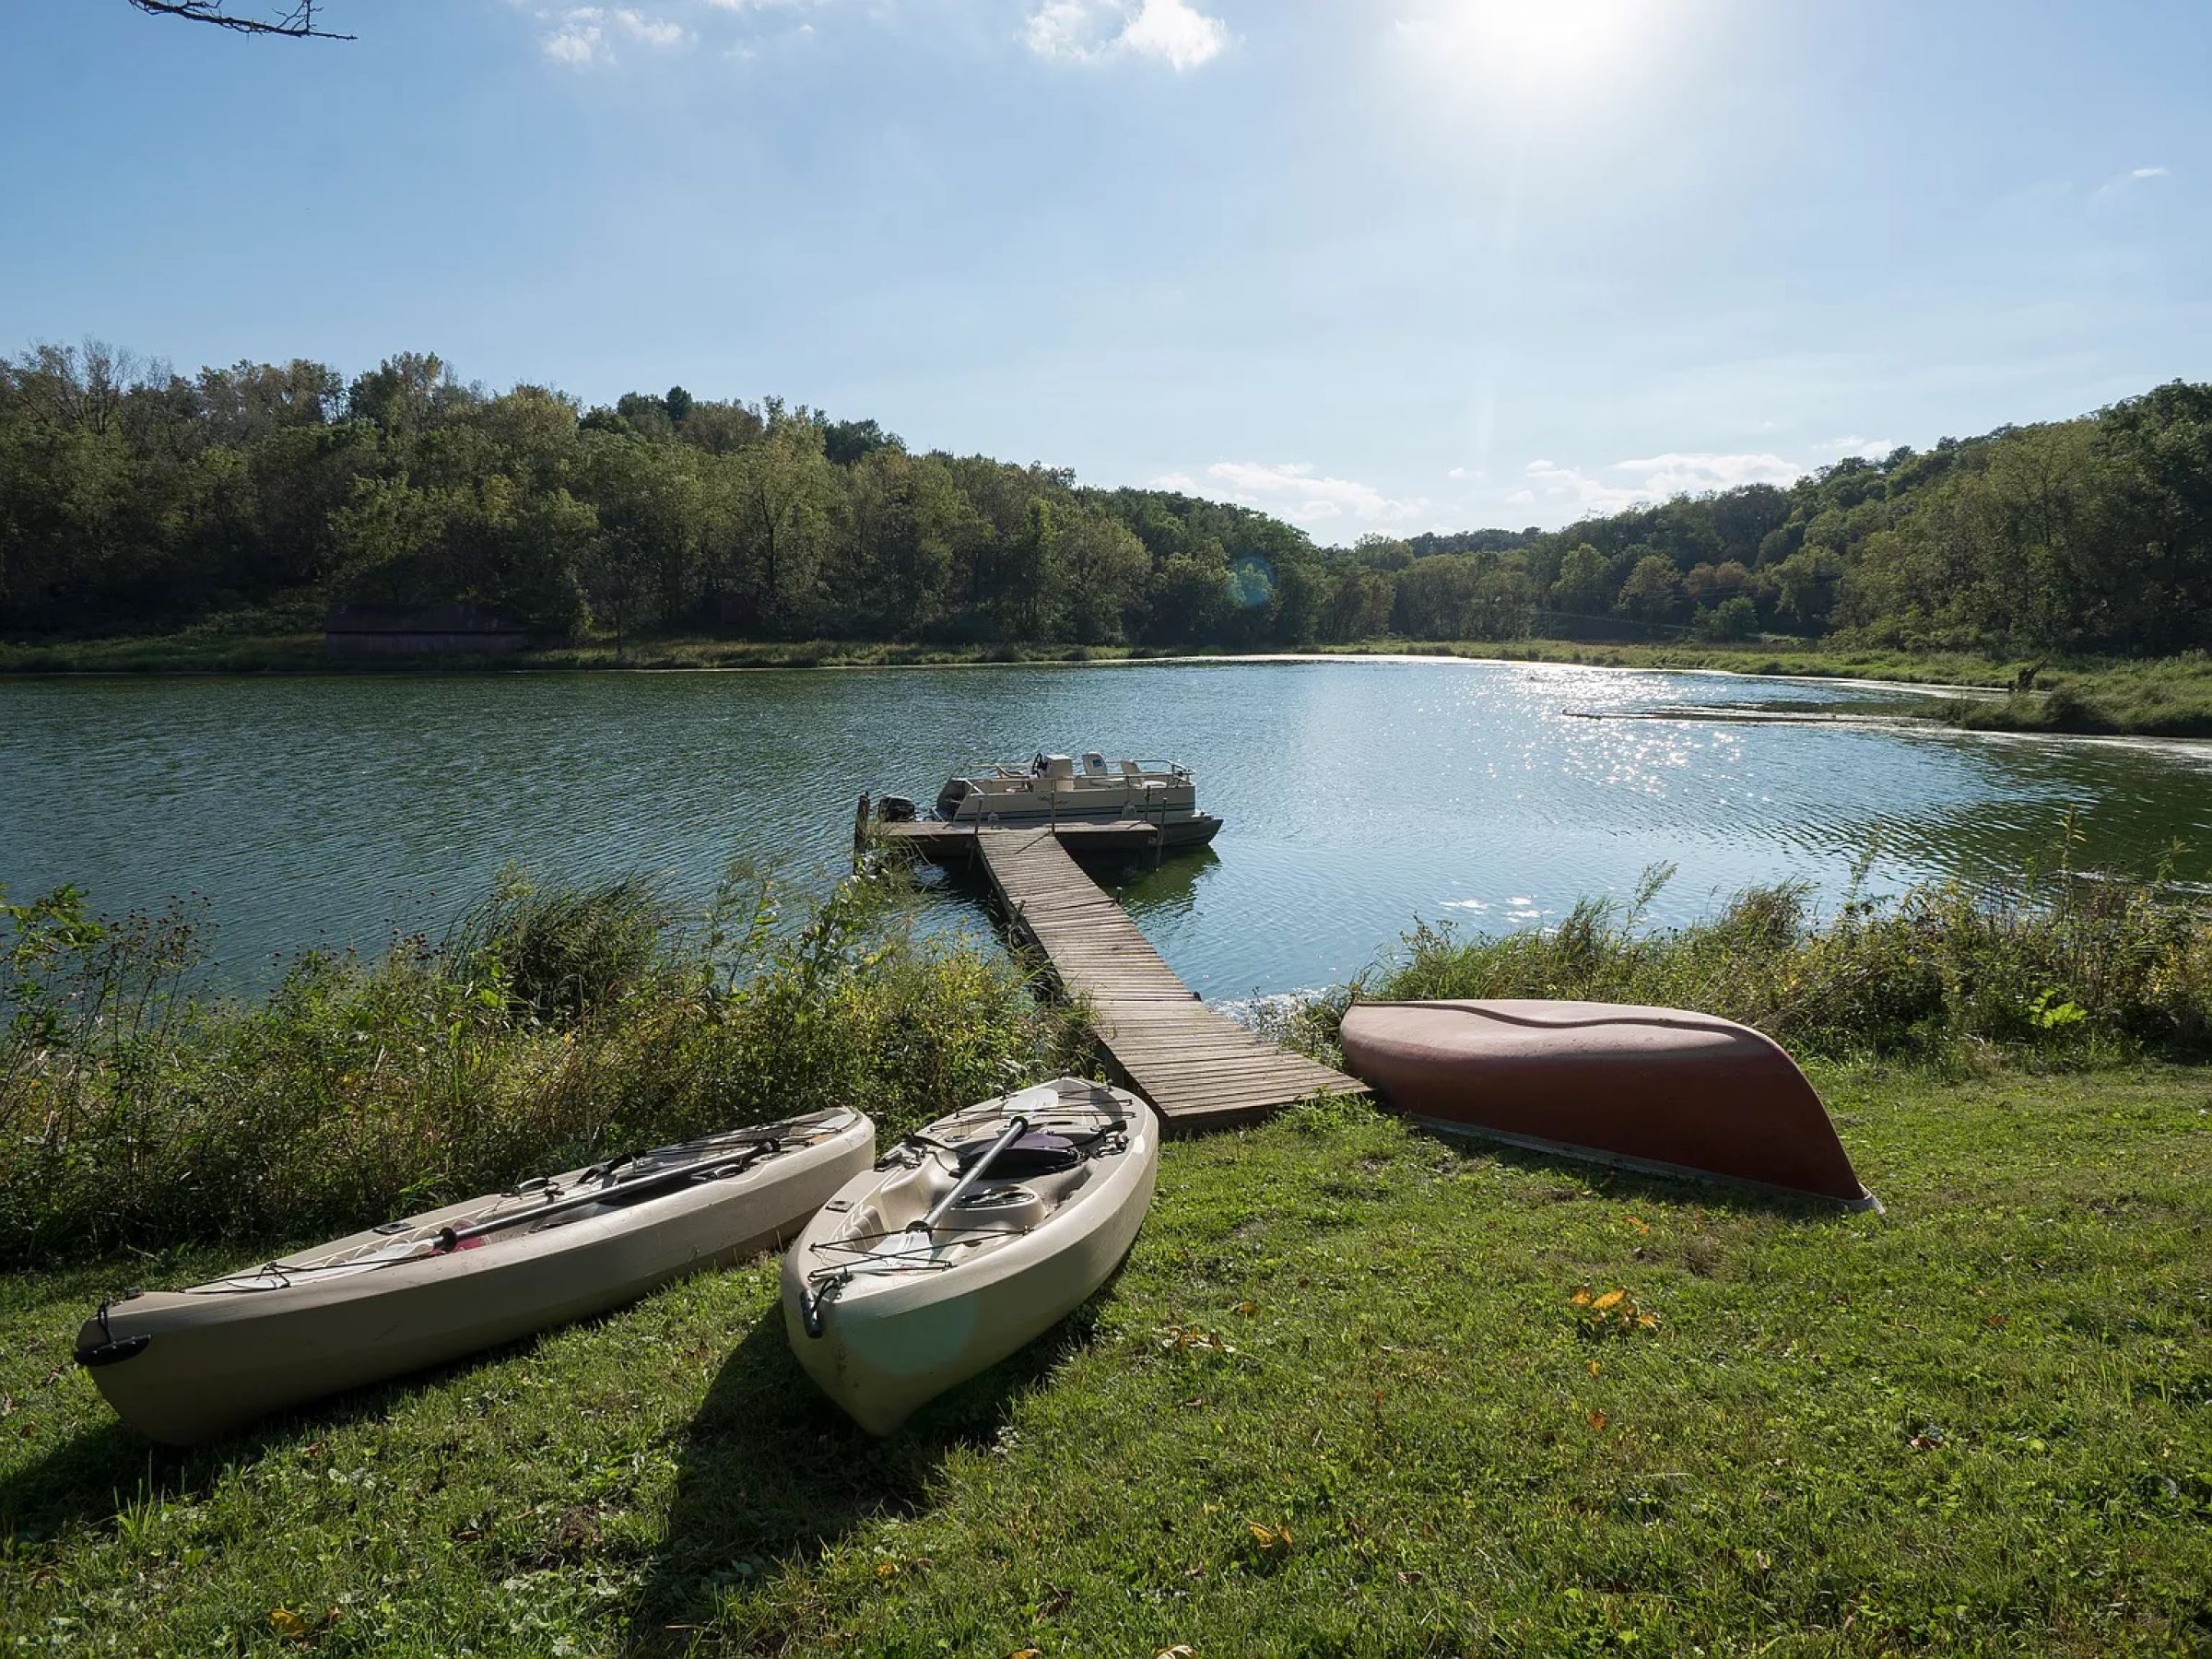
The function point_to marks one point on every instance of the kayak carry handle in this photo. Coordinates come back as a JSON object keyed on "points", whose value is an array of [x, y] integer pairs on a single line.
{"points": [[107, 1353], [810, 1313]]}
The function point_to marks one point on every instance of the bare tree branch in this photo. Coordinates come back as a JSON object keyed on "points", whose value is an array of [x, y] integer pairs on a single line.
{"points": [[298, 23]]}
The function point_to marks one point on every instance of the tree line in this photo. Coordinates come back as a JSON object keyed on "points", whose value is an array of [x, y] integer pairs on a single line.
{"points": [[136, 499]]}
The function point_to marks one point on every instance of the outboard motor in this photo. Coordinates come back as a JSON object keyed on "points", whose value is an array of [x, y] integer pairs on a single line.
{"points": [[894, 810]]}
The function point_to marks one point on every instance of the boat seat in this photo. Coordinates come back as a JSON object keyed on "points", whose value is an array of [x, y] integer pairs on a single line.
{"points": [[1036, 1153]]}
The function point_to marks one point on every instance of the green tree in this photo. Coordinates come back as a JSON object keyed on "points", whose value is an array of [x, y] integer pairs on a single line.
{"points": [[1652, 591], [1103, 566], [1586, 583]]}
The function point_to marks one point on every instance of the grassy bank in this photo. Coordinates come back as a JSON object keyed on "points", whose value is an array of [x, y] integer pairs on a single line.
{"points": [[1350, 1394], [2059, 967], [1758, 657], [303, 652], [2168, 698], [551, 1026], [297, 651], [1339, 1401]]}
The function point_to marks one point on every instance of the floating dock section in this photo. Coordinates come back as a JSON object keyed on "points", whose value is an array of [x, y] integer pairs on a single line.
{"points": [[1199, 1069], [945, 843]]}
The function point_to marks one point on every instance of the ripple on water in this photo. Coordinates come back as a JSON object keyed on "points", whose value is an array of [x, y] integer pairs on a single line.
{"points": [[1359, 795]]}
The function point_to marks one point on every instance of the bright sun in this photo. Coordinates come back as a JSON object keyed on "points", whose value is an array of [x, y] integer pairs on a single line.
{"points": [[1544, 47]]}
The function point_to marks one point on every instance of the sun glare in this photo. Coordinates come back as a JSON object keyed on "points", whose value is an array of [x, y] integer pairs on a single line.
{"points": [[1539, 48]]}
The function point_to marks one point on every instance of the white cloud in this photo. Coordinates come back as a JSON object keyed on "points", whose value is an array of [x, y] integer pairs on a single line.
{"points": [[1174, 31], [653, 31], [2134, 176], [1066, 28], [1678, 473], [1298, 493], [1871, 449], [1651, 478], [578, 41], [583, 36]]}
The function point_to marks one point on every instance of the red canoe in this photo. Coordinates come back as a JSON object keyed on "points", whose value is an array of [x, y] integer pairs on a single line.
{"points": [[1660, 1090]]}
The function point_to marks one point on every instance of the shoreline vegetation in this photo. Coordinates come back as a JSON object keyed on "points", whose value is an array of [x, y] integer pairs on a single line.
{"points": [[1344, 1396], [153, 520], [2084, 697]]}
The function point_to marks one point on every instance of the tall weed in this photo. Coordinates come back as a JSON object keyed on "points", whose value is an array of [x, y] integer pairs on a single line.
{"points": [[2061, 966], [553, 1026]]}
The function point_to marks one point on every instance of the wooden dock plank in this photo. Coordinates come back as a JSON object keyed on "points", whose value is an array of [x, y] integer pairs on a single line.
{"points": [[1198, 1068]]}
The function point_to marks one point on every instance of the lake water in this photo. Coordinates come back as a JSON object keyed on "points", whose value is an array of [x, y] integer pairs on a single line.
{"points": [[1357, 794]]}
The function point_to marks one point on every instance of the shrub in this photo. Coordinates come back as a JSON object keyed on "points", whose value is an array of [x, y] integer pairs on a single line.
{"points": [[2062, 965], [553, 1027]]}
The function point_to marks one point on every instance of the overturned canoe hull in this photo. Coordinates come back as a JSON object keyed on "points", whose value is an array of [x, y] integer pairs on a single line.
{"points": [[1666, 1091], [184, 1367]]}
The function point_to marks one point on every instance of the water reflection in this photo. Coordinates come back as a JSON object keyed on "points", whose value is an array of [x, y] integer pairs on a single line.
{"points": [[1358, 793]]}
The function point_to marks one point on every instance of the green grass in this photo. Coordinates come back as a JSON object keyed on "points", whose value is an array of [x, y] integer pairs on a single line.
{"points": [[1787, 657], [2054, 965], [230, 652], [256, 645], [2170, 698], [1982, 1421]]}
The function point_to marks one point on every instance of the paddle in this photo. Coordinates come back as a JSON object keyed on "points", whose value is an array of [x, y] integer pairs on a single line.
{"points": [[1016, 1129], [813, 1304], [640, 1186]]}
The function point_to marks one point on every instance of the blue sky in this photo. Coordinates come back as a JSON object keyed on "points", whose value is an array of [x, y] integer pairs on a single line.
{"points": [[1373, 265]]}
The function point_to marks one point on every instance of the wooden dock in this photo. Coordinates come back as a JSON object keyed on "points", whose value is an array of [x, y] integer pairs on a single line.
{"points": [[945, 843], [1199, 1069]]}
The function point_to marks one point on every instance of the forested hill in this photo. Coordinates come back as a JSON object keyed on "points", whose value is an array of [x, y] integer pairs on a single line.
{"points": [[135, 499]]}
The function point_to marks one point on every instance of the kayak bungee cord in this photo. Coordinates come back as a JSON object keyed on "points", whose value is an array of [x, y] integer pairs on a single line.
{"points": [[812, 1302], [1108, 1135], [277, 1276], [643, 1186]]}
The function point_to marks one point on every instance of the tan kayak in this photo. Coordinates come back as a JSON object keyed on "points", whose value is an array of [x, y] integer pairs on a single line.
{"points": [[185, 1366], [967, 1241]]}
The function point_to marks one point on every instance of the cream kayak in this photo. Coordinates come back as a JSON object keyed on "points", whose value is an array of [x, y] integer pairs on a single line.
{"points": [[185, 1366], [966, 1242]]}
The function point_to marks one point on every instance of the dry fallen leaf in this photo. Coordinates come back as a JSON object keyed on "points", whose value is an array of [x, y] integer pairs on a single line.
{"points": [[1581, 1298], [885, 1570], [1594, 1368], [1611, 1299], [287, 1623], [1598, 1420], [1270, 1538], [1638, 1226], [1027, 1653]]}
